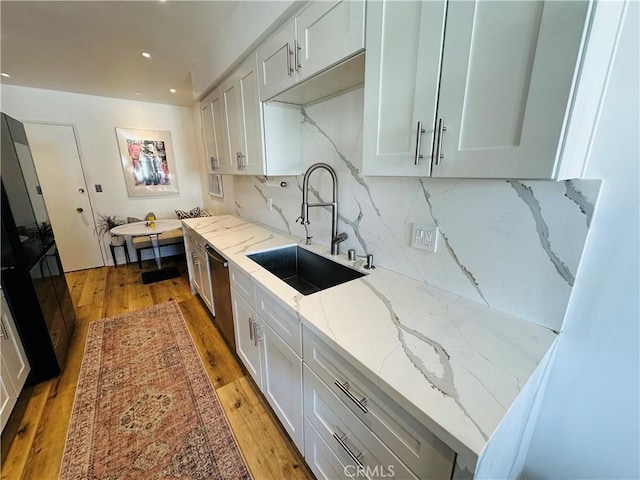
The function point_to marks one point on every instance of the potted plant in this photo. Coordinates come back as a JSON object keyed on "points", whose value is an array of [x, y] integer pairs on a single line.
{"points": [[105, 223], [42, 232]]}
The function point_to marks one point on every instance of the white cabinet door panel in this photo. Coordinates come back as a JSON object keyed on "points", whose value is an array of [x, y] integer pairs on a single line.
{"points": [[233, 120], [282, 382], [275, 57], [246, 347], [324, 464], [507, 75], [250, 118], [404, 41], [328, 32]]}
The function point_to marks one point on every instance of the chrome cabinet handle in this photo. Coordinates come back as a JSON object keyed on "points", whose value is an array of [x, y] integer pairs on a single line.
{"points": [[3, 331], [345, 387], [256, 337], [214, 163], [251, 324], [438, 155], [342, 439], [419, 155], [289, 53], [297, 48]]}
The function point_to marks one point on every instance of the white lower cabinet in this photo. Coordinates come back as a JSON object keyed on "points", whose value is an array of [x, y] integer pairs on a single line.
{"points": [[354, 445], [274, 365], [247, 348], [320, 458], [14, 367], [282, 381], [340, 420], [198, 264], [339, 397]]}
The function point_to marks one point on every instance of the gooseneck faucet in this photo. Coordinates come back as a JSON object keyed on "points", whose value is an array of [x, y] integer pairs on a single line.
{"points": [[336, 238]]}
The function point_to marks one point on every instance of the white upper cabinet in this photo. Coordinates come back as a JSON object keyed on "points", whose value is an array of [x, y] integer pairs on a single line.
{"points": [[326, 33], [320, 36], [491, 82], [243, 118], [404, 41], [275, 61], [214, 132]]}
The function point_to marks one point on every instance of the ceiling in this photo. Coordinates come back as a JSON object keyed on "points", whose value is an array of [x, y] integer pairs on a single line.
{"points": [[95, 47]]}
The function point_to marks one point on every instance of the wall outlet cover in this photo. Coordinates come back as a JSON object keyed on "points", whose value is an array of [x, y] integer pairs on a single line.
{"points": [[424, 237]]}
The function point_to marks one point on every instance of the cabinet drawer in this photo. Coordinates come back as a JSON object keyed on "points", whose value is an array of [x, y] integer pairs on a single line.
{"points": [[242, 284], [347, 436], [324, 464], [281, 320], [425, 454]]}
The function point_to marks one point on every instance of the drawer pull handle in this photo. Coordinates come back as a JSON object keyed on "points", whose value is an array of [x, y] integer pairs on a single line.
{"points": [[342, 439], [345, 389], [251, 334]]}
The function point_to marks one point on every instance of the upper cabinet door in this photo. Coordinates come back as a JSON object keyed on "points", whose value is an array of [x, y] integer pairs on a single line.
{"points": [[404, 44], [326, 33], [251, 162], [275, 62], [232, 117], [213, 128], [507, 75]]}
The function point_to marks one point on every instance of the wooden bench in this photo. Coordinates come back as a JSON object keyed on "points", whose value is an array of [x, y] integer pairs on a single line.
{"points": [[174, 237]]}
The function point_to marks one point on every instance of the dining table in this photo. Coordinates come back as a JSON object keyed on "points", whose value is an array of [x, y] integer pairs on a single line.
{"points": [[150, 229]]}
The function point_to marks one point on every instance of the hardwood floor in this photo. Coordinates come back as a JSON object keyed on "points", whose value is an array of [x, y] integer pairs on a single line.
{"points": [[33, 440]]}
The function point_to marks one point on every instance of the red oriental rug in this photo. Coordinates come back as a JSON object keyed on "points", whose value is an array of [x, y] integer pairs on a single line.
{"points": [[144, 406]]}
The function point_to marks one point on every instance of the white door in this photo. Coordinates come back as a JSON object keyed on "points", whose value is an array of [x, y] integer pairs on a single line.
{"points": [[404, 41], [57, 160], [327, 32], [275, 62], [250, 117], [233, 139], [507, 72], [247, 347], [282, 381]]}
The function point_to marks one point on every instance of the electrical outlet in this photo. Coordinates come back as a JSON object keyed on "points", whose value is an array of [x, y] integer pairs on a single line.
{"points": [[424, 237]]}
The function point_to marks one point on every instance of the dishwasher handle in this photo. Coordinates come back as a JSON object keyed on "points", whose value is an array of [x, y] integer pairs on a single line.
{"points": [[216, 256]]}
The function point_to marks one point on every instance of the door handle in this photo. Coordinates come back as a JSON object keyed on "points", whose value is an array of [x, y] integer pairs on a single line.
{"points": [[438, 155], [79, 210], [419, 155], [81, 190]]}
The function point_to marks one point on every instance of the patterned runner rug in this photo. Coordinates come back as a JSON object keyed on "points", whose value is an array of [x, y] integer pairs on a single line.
{"points": [[144, 406]]}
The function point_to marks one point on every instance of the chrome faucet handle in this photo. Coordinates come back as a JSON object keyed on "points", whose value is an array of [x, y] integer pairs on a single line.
{"points": [[341, 237]]}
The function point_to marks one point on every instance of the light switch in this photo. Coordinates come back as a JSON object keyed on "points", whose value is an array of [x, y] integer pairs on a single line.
{"points": [[98, 188]]}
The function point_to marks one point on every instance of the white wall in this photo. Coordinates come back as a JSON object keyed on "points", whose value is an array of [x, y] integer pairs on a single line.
{"points": [[589, 425], [96, 119]]}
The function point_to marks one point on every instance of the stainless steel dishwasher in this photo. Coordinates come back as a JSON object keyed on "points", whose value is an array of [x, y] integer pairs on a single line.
{"points": [[221, 290]]}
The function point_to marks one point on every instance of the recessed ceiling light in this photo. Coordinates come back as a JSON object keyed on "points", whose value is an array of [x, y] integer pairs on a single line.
{"points": [[146, 55], [173, 90], [138, 93], [6, 75]]}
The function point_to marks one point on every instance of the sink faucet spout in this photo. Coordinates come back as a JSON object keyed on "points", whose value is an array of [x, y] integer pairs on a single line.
{"points": [[304, 211]]}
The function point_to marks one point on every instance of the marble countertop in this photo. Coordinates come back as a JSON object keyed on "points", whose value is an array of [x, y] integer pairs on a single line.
{"points": [[454, 364]]}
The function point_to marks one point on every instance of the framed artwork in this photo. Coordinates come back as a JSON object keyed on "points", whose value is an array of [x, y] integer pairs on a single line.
{"points": [[148, 163], [215, 185]]}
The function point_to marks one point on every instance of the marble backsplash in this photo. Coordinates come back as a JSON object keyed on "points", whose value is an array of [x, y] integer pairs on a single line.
{"points": [[513, 245]]}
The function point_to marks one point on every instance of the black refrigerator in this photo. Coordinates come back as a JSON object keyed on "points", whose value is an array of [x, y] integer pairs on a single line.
{"points": [[32, 277]]}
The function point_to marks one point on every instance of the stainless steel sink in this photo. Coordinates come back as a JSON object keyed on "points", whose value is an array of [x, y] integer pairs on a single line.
{"points": [[303, 270]]}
